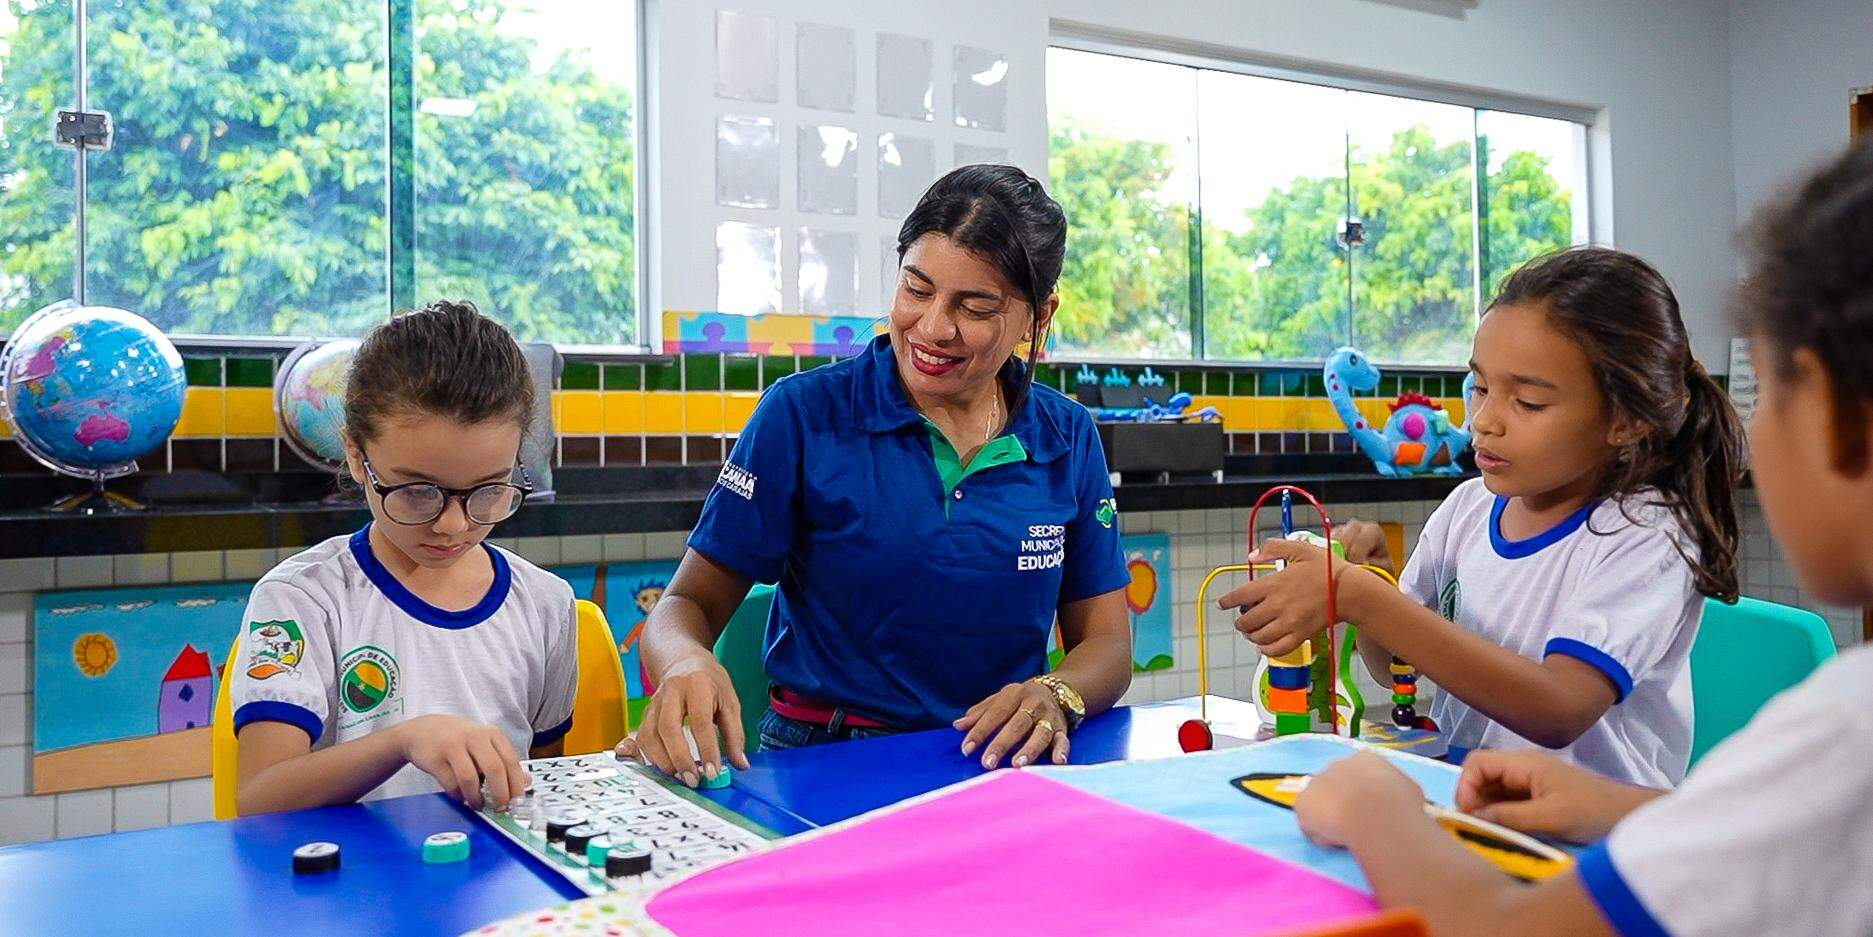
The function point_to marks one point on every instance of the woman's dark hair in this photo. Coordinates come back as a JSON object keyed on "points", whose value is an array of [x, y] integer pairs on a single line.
{"points": [[445, 359], [1623, 315], [1005, 216], [1811, 287]]}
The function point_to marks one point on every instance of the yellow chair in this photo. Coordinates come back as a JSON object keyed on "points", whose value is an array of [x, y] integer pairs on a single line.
{"points": [[599, 718]]}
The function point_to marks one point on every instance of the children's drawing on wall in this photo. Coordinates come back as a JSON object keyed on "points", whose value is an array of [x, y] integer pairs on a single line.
{"points": [[124, 682], [1147, 602], [626, 592]]}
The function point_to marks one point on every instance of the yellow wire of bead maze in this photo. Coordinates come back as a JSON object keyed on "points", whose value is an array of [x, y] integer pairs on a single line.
{"points": [[1196, 734]]}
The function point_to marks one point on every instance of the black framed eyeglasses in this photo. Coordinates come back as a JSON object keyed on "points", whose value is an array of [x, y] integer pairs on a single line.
{"points": [[416, 503]]}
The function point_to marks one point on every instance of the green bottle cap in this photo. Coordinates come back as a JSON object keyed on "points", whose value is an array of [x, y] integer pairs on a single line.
{"points": [[446, 847]]}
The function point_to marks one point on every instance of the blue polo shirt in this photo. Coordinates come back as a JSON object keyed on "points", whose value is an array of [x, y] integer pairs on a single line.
{"points": [[897, 598]]}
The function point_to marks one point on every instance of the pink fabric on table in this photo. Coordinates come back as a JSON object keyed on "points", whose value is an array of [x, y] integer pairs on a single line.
{"points": [[1016, 854]]}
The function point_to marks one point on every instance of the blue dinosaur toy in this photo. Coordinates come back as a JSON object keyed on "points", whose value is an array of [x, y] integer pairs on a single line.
{"points": [[1419, 439]]}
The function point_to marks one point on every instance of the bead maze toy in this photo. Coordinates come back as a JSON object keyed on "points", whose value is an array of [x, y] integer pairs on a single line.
{"points": [[1311, 687]]}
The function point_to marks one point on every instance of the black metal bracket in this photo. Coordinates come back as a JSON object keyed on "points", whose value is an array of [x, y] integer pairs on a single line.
{"points": [[86, 130]]}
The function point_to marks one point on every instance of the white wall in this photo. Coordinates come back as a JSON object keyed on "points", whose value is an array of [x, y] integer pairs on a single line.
{"points": [[1792, 64], [1658, 71], [683, 64]]}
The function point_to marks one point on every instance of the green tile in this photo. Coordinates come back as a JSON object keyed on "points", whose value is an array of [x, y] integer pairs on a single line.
{"points": [[579, 375], [624, 376], [1315, 386], [1388, 387], [1433, 385], [741, 372], [203, 372], [809, 362], [774, 368], [702, 372], [250, 372], [1189, 382], [663, 375], [1242, 384]]}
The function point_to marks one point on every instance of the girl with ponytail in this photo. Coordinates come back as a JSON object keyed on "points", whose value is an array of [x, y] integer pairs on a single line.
{"points": [[1555, 599]]}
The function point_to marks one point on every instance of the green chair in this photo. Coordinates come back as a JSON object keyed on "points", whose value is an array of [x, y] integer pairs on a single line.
{"points": [[1745, 654], [739, 651]]}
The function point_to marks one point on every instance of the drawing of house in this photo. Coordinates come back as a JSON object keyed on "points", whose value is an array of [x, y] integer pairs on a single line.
{"points": [[187, 700]]}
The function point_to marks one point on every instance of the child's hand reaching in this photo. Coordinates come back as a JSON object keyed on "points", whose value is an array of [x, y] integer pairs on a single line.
{"points": [[1355, 790], [459, 754], [1280, 610], [1538, 793]]}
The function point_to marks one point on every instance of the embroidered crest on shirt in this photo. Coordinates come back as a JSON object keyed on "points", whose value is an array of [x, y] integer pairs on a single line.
{"points": [[736, 479], [274, 648], [1449, 600], [367, 684], [1044, 547], [1108, 511]]}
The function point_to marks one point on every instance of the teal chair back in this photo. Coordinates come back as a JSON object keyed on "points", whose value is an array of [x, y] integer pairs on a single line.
{"points": [[739, 651], [1745, 654]]}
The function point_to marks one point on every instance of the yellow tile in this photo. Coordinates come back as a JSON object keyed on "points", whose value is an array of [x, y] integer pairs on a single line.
{"points": [[1455, 406], [624, 412], [1238, 414], [203, 413], [1375, 411], [663, 412], [1320, 416], [250, 411], [555, 408], [6, 429], [580, 413], [702, 411], [737, 408]]}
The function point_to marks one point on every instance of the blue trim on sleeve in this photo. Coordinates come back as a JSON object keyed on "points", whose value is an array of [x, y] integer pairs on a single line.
{"points": [[420, 610], [1613, 896], [1519, 549], [553, 734], [292, 714], [1594, 657]]}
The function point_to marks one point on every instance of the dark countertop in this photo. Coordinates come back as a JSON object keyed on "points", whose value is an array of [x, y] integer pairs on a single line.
{"points": [[211, 511]]}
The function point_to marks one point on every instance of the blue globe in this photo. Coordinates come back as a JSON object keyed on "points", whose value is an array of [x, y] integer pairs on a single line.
{"points": [[90, 388]]}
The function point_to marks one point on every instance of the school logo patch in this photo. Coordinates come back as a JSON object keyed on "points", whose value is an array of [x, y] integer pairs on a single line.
{"points": [[274, 648], [1450, 600], [367, 679], [736, 479], [1108, 511]]}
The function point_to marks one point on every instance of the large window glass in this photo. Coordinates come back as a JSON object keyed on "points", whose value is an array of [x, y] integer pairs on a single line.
{"points": [[524, 163], [252, 188], [37, 246], [1327, 216]]}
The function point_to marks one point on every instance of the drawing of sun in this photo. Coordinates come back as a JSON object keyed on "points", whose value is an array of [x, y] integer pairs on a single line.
{"points": [[95, 653]]}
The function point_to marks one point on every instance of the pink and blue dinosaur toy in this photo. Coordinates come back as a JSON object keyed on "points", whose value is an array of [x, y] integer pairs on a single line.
{"points": [[1419, 439]]}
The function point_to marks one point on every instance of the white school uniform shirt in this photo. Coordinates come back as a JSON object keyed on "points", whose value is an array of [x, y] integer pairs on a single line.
{"points": [[336, 646], [1606, 587], [1771, 834]]}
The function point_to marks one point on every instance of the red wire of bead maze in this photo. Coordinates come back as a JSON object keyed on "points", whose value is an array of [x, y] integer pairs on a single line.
{"points": [[1333, 612], [1195, 734]]}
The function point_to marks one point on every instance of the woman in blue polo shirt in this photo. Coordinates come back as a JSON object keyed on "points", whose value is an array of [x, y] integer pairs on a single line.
{"points": [[927, 511]]}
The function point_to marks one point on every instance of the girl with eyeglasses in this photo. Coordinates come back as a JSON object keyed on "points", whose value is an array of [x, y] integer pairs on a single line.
{"points": [[412, 655]]}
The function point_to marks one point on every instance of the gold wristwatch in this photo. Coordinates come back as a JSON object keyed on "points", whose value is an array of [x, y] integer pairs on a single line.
{"points": [[1068, 698]]}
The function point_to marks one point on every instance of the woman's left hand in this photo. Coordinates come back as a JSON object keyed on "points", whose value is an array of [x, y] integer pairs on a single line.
{"points": [[1029, 721]]}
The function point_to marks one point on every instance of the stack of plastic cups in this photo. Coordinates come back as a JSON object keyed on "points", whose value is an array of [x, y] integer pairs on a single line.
{"points": [[1290, 676]]}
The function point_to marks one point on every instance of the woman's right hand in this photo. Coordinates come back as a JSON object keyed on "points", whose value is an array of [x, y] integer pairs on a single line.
{"points": [[696, 691]]}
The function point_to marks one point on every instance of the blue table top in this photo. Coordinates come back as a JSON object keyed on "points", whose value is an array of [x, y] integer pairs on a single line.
{"points": [[236, 876], [828, 783]]}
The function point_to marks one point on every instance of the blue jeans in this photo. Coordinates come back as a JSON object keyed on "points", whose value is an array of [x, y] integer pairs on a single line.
{"points": [[779, 733]]}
